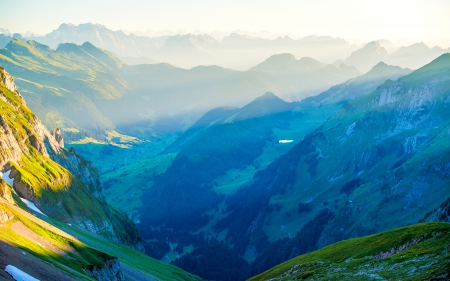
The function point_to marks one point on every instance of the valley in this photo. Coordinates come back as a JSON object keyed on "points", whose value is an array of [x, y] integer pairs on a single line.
{"points": [[211, 155]]}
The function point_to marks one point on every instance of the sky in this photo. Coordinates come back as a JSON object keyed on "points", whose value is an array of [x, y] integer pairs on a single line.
{"points": [[354, 20]]}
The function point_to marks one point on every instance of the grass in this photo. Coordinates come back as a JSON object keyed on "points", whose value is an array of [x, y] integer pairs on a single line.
{"points": [[127, 170], [81, 248], [353, 259], [129, 256], [76, 257], [65, 83]]}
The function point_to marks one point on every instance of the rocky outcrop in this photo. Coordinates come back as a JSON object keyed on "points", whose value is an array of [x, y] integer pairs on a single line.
{"points": [[398, 249], [7, 80], [56, 133], [109, 272]]}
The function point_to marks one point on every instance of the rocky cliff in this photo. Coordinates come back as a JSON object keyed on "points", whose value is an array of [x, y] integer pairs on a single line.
{"points": [[109, 272], [59, 182]]}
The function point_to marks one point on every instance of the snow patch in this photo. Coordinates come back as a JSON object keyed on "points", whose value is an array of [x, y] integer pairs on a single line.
{"points": [[285, 141], [32, 206], [5, 177], [18, 274]]}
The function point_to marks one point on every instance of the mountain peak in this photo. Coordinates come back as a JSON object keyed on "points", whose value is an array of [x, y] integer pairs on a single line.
{"points": [[65, 26], [368, 56], [382, 69], [69, 48], [275, 63], [267, 96], [266, 104], [381, 64]]}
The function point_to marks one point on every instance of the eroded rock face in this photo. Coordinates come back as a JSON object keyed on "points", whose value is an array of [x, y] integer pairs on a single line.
{"points": [[110, 272], [56, 133], [7, 80]]}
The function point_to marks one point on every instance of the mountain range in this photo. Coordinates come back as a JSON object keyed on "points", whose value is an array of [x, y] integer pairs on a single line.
{"points": [[413, 56], [380, 156], [188, 50], [292, 169], [357, 87], [234, 51], [86, 91]]}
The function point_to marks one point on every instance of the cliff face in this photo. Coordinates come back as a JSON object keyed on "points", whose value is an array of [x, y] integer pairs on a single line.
{"points": [[59, 182]]}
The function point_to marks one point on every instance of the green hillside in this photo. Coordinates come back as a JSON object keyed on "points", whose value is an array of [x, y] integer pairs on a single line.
{"points": [[63, 86], [417, 252], [377, 164]]}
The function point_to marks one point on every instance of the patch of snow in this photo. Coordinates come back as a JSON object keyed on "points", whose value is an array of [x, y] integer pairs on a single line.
{"points": [[5, 177], [18, 274], [32, 206], [285, 141]]}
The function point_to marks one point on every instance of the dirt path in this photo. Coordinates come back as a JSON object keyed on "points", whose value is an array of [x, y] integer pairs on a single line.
{"points": [[28, 263]]}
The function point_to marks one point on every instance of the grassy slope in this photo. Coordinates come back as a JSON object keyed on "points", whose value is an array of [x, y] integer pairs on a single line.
{"points": [[127, 169], [353, 259], [129, 256], [80, 248], [62, 87], [48, 181], [66, 253], [309, 179]]}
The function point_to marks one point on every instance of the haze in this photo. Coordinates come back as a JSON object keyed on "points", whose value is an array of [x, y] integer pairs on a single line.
{"points": [[357, 21]]}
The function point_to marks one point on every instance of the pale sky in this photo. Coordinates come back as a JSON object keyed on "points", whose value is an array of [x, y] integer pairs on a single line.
{"points": [[357, 21]]}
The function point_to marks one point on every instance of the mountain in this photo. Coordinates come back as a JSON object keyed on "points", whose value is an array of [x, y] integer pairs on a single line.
{"points": [[62, 86], [389, 255], [286, 63], [235, 51], [87, 91], [380, 162], [210, 162], [116, 42], [414, 56], [188, 50], [357, 87], [5, 31], [388, 45], [55, 222], [368, 56], [68, 181], [305, 76], [233, 143]]}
